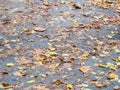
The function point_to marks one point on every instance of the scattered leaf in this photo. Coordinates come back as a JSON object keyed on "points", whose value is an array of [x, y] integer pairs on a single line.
{"points": [[69, 86], [76, 25], [77, 6], [39, 29], [19, 73], [85, 69], [84, 55], [99, 85], [117, 50], [113, 75], [57, 82], [30, 81], [10, 64], [52, 53]]}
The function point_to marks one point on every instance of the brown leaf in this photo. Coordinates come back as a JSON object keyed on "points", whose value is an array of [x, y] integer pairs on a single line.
{"points": [[85, 69], [98, 85], [76, 25], [57, 82]]}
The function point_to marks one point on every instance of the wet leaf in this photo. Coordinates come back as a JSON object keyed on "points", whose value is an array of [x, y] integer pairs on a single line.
{"points": [[117, 50], [69, 86], [85, 69], [39, 29], [76, 25], [4, 72], [52, 53], [28, 31], [77, 6], [98, 85], [20, 73], [5, 86], [84, 55], [10, 64], [30, 81], [46, 4], [41, 57], [57, 82], [113, 75], [104, 54], [108, 65], [53, 66]]}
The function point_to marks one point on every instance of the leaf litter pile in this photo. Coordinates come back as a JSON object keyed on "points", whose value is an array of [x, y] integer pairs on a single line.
{"points": [[60, 45]]}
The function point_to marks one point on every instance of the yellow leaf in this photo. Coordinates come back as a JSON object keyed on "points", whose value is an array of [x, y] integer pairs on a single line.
{"points": [[57, 82], [113, 75], [53, 66], [84, 55], [9, 64], [69, 86], [118, 58], [76, 25]]}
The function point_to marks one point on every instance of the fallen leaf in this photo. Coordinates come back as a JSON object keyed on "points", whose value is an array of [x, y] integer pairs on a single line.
{"points": [[51, 53], [69, 86], [40, 29], [77, 6], [113, 75], [57, 82], [84, 55], [5, 86], [28, 31], [117, 50], [17, 73], [30, 81], [53, 66], [85, 69], [98, 85], [76, 25], [10, 64], [41, 57]]}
